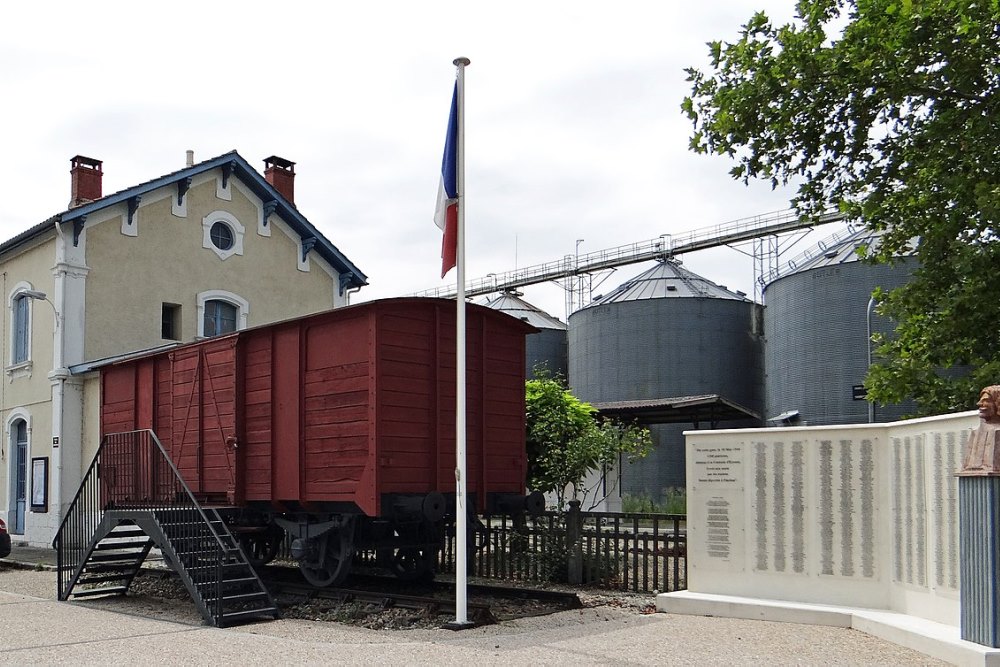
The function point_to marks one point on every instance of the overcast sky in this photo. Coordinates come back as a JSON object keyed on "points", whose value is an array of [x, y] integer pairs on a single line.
{"points": [[573, 127]]}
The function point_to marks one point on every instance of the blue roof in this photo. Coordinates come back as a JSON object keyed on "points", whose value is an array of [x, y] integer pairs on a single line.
{"points": [[351, 276]]}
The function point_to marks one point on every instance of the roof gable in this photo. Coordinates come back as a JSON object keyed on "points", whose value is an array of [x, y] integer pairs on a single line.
{"points": [[233, 166]]}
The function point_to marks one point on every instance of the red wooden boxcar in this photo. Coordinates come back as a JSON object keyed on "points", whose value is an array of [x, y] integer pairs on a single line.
{"points": [[338, 427]]}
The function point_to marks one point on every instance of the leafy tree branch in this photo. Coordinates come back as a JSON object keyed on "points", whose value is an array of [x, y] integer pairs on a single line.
{"points": [[886, 110]]}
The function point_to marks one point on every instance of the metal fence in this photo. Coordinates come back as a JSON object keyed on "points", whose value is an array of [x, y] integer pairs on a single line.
{"points": [[611, 550], [635, 552]]}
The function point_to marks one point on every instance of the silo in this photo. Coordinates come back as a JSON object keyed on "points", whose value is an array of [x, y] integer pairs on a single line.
{"points": [[665, 334], [547, 348], [817, 317]]}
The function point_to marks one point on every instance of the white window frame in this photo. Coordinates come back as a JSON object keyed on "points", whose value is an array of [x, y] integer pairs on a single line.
{"points": [[234, 225], [242, 308], [22, 367], [18, 414]]}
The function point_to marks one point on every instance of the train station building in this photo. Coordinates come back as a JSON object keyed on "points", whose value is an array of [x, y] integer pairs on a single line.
{"points": [[209, 249]]}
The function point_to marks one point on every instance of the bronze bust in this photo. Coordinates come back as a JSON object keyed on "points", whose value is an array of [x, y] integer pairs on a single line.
{"points": [[982, 457]]}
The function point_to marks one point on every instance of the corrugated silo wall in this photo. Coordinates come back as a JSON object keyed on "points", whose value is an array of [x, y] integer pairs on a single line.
{"points": [[663, 348], [816, 345], [546, 348]]}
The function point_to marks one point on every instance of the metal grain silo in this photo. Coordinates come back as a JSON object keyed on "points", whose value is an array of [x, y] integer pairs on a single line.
{"points": [[666, 335], [817, 318], [547, 348]]}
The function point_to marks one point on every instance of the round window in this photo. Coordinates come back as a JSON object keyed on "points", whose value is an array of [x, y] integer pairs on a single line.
{"points": [[222, 236]]}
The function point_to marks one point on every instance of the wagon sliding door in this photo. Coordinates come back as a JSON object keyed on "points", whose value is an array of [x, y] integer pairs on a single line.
{"points": [[204, 442]]}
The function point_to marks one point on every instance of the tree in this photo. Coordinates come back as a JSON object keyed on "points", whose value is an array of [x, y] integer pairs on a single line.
{"points": [[565, 441], [888, 111]]}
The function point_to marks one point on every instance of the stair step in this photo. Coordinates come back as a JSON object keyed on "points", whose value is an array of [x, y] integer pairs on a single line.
{"points": [[249, 613], [172, 525], [109, 556], [242, 597], [87, 579], [204, 539], [241, 580], [107, 590], [225, 566], [129, 566], [130, 531], [230, 583], [105, 545]]}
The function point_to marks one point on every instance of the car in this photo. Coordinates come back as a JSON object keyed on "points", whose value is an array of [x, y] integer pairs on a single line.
{"points": [[4, 540]]}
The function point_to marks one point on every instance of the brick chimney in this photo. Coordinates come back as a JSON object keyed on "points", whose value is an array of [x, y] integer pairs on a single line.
{"points": [[280, 173], [86, 174]]}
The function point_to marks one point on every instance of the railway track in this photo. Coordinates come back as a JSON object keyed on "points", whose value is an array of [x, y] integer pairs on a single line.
{"points": [[383, 602], [424, 603]]}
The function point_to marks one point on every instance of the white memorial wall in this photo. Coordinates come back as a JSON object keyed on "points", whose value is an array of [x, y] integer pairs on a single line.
{"points": [[863, 516]]}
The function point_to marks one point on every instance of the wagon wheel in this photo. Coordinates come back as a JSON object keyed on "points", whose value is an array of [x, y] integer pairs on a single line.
{"points": [[413, 563], [329, 560], [260, 547]]}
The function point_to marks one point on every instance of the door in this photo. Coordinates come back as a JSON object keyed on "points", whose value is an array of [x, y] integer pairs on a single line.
{"points": [[20, 475]]}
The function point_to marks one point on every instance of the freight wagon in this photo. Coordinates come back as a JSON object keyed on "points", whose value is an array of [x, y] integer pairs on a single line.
{"points": [[337, 429]]}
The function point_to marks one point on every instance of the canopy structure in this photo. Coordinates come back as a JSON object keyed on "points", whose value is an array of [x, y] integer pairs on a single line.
{"points": [[710, 408]]}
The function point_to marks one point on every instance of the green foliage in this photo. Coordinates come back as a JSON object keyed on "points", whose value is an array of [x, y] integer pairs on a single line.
{"points": [[565, 441], [673, 501], [886, 110]]}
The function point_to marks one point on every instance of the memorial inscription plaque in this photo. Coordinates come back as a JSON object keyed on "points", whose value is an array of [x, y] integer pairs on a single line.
{"points": [[778, 506], [716, 526]]}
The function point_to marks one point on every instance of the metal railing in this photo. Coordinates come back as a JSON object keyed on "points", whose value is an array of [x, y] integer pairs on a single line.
{"points": [[666, 245], [611, 550], [132, 479], [821, 247]]}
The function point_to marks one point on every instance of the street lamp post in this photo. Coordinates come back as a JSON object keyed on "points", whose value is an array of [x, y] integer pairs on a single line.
{"points": [[57, 377]]}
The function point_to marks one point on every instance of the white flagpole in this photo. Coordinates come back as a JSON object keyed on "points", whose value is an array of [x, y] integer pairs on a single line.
{"points": [[461, 519]]}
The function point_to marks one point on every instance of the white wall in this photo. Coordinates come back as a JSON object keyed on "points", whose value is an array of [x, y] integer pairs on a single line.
{"points": [[862, 515]]}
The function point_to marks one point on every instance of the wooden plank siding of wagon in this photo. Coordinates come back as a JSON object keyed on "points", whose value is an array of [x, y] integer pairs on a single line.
{"points": [[503, 391], [336, 397], [333, 410], [405, 421]]}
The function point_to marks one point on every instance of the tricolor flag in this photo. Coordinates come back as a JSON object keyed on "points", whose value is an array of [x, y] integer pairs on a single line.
{"points": [[446, 214]]}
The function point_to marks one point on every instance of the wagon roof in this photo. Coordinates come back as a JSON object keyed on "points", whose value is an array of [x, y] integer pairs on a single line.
{"points": [[507, 320]]}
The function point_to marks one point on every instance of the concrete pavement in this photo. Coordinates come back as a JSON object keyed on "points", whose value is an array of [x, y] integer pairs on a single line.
{"points": [[37, 630]]}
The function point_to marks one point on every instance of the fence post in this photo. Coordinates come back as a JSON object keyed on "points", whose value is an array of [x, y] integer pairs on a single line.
{"points": [[574, 545]]}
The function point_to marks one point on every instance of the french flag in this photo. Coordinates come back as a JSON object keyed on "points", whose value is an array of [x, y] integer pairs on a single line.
{"points": [[446, 213]]}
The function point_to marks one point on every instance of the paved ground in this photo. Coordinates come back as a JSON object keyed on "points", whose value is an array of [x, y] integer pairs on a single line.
{"points": [[37, 630]]}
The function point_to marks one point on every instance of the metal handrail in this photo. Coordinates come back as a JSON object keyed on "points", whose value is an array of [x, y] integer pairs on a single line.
{"points": [[809, 253], [125, 474]]}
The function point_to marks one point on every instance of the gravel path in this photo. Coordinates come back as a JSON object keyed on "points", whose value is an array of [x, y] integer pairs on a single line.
{"points": [[612, 632]]}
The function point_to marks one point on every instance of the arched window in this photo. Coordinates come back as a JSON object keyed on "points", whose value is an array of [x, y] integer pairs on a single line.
{"points": [[221, 312], [220, 317], [19, 308], [21, 325]]}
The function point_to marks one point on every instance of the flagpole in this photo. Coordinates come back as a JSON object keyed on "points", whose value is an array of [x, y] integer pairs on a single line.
{"points": [[461, 509]]}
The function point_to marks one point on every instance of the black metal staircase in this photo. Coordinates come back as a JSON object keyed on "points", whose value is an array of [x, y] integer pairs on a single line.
{"points": [[132, 499]]}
